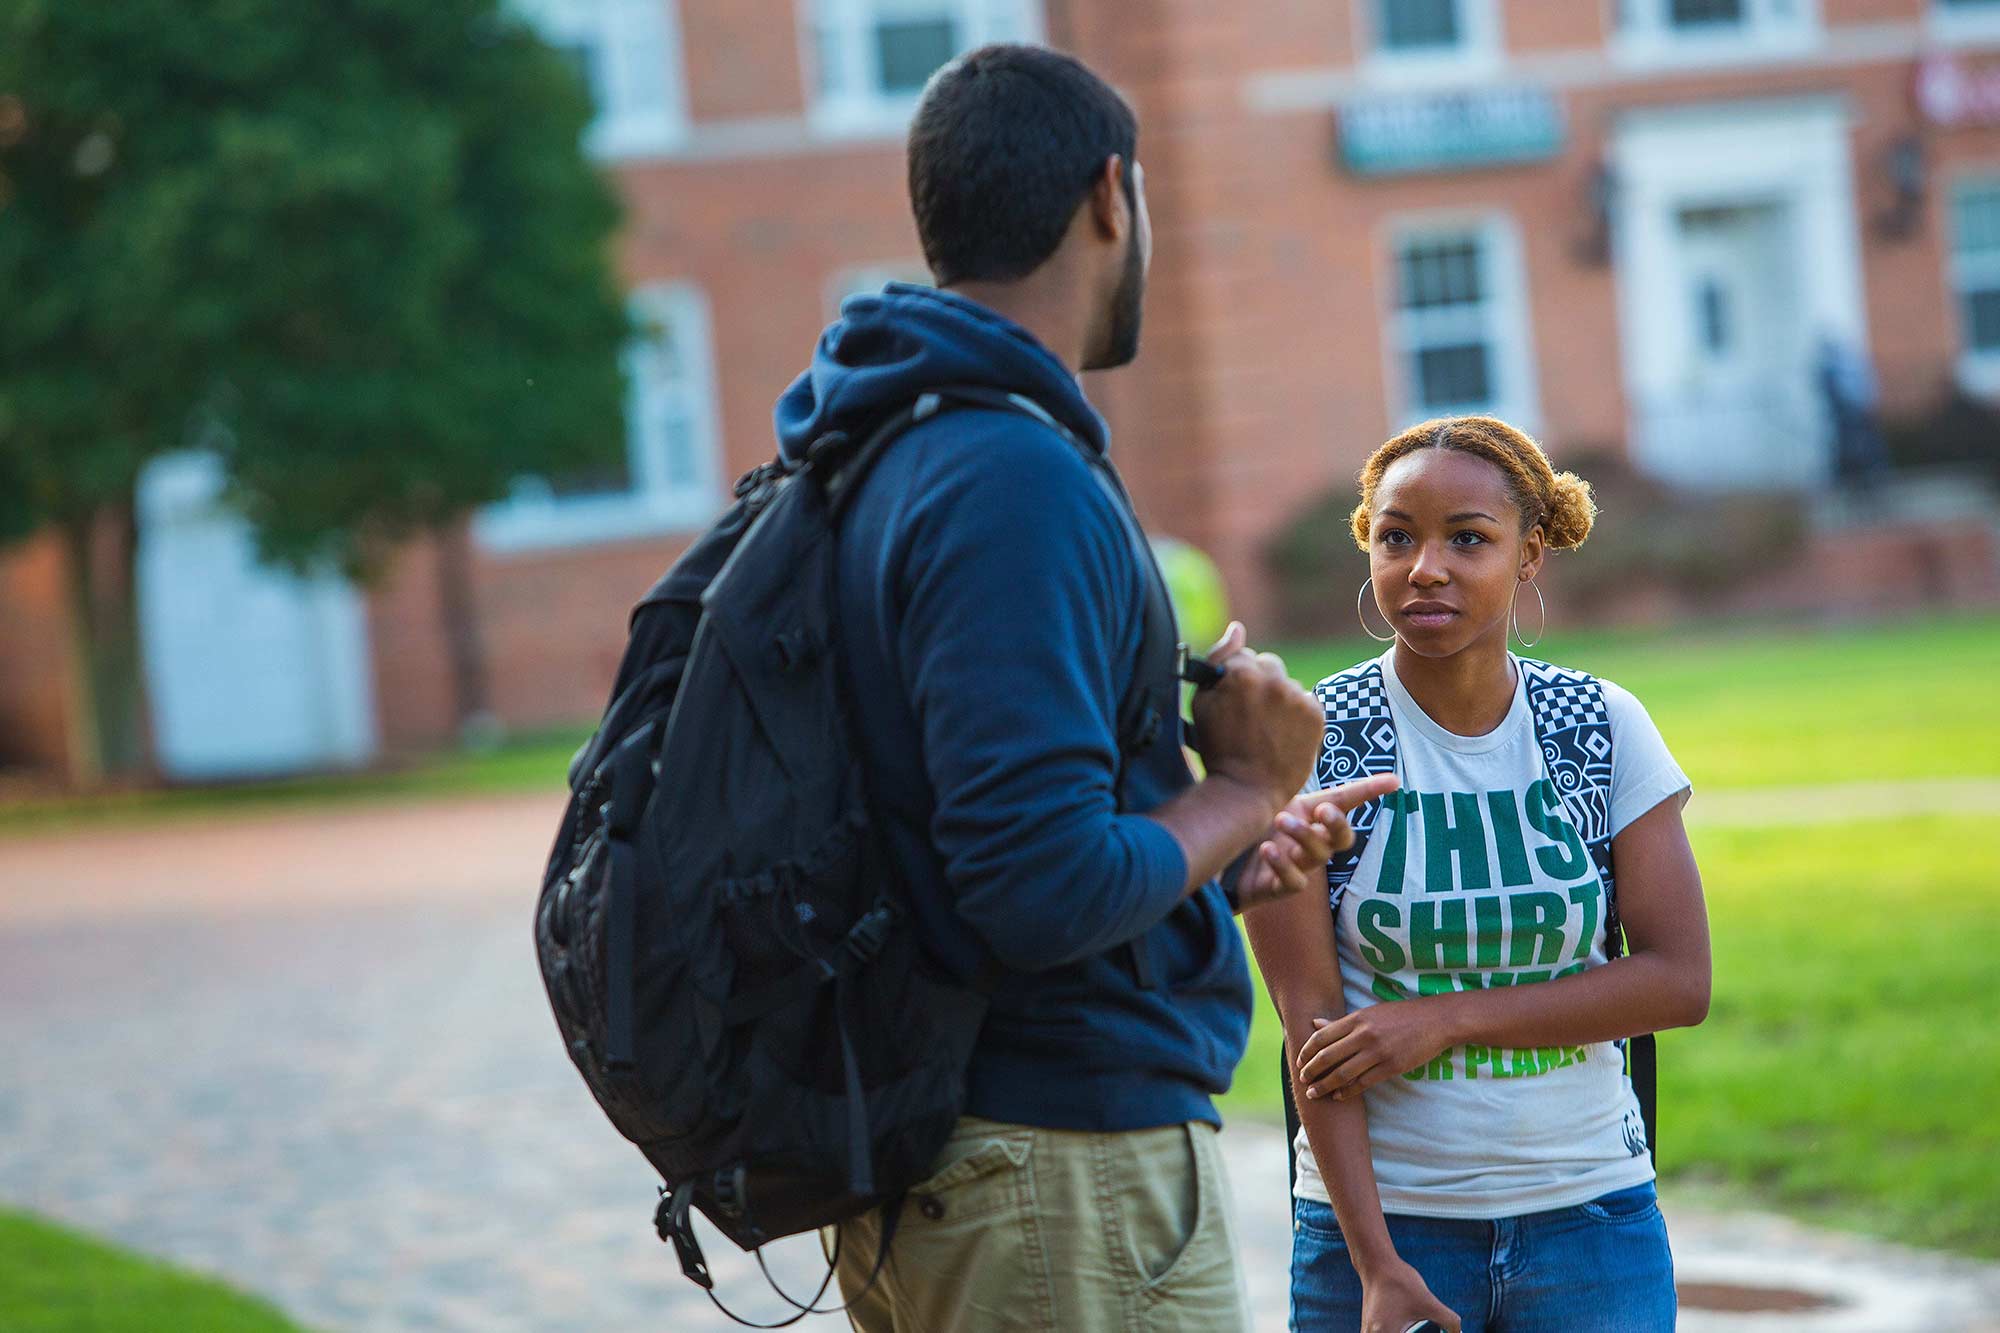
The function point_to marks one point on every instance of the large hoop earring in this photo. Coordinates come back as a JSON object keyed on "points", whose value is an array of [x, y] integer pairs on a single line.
{"points": [[1362, 616], [1540, 629]]}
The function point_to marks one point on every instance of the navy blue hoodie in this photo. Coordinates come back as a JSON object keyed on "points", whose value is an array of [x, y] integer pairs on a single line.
{"points": [[992, 606]]}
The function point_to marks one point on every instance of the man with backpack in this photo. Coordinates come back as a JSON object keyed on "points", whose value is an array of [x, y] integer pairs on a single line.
{"points": [[885, 902], [1023, 746]]}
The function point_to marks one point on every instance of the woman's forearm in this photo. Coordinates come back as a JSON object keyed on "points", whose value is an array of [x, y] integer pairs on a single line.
{"points": [[1663, 982], [1646, 992], [1298, 954], [1338, 1135]]}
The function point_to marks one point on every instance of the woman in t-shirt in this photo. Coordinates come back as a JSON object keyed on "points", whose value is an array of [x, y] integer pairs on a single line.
{"points": [[1473, 1151]]}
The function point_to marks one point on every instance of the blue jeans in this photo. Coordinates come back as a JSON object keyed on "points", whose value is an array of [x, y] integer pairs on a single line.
{"points": [[1600, 1266]]}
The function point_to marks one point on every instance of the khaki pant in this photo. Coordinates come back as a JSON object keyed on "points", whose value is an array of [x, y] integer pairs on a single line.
{"points": [[1038, 1229]]}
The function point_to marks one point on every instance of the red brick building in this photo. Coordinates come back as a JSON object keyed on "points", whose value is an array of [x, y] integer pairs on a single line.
{"points": [[1622, 223]]}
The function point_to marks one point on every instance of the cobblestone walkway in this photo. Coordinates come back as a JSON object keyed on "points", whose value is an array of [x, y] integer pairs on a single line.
{"points": [[358, 1108], [309, 1052]]}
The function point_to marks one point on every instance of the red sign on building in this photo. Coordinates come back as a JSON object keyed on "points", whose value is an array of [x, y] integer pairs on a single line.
{"points": [[1950, 94]]}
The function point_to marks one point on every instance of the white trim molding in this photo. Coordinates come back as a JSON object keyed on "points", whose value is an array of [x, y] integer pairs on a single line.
{"points": [[673, 466], [1963, 22], [629, 52], [1473, 299], [851, 93], [1975, 270], [1845, 46], [1671, 33], [1476, 50]]}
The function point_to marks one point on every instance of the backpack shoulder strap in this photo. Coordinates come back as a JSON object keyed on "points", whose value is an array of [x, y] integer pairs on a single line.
{"points": [[1360, 742], [1573, 729], [1152, 697], [1142, 716]]}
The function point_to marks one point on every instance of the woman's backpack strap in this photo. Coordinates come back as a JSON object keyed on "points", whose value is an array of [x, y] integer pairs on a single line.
{"points": [[1360, 742], [1573, 729]]}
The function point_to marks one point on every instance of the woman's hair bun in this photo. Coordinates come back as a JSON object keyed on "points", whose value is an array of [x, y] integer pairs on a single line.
{"points": [[1571, 512]]}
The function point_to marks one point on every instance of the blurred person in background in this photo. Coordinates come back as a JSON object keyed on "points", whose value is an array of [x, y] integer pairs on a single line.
{"points": [[993, 594], [1472, 1150], [1853, 406]]}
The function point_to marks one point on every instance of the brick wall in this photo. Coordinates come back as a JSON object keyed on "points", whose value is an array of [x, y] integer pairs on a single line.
{"points": [[741, 61], [1293, 278], [36, 661], [1262, 382]]}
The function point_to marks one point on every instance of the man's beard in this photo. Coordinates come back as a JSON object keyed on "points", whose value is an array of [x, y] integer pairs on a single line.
{"points": [[1121, 342]]}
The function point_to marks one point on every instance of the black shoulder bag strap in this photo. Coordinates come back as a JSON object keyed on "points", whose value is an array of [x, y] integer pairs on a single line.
{"points": [[1162, 661], [1573, 731]]}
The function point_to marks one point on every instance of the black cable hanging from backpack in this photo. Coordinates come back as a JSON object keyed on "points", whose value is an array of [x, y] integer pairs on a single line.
{"points": [[673, 1221], [811, 1305], [786, 1322], [892, 1213]]}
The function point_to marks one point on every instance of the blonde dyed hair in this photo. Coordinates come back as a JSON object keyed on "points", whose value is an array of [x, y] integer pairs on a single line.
{"points": [[1559, 501]]}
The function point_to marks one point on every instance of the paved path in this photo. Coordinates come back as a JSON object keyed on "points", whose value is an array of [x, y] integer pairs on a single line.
{"points": [[309, 1052]]}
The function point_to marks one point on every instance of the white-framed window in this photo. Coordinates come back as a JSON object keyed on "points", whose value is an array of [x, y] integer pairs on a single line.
{"points": [[865, 279], [670, 478], [1649, 31], [1975, 277], [1457, 331], [1421, 39], [629, 55], [868, 60], [1965, 20]]}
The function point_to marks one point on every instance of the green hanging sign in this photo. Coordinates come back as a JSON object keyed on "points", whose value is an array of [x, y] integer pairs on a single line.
{"points": [[1449, 131]]}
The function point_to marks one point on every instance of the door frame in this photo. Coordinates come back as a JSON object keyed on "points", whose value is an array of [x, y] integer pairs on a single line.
{"points": [[1793, 151]]}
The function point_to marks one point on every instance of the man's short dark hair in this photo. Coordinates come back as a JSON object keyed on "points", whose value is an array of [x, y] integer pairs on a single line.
{"points": [[1005, 147]]}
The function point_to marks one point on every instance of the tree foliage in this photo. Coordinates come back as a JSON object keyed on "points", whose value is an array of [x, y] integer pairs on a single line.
{"points": [[352, 245]]}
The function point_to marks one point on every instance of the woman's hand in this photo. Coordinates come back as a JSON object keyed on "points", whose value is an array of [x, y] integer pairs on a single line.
{"points": [[1346, 1056], [1304, 837], [1396, 1297]]}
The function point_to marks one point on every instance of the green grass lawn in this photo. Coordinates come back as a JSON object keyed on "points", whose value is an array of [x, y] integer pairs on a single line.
{"points": [[1744, 707], [1850, 1066], [1750, 707], [55, 1281]]}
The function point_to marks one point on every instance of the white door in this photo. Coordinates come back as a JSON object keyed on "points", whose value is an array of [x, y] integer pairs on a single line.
{"points": [[249, 670], [1742, 411], [1737, 250]]}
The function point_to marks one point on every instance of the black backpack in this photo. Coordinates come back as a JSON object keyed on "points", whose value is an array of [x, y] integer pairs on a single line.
{"points": [[722, 937]]}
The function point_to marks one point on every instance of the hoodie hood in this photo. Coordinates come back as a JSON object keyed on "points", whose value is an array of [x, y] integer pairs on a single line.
{"points": [[887, 349]]}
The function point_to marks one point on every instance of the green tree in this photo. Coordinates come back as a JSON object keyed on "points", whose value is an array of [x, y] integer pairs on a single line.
{"points": [[353, 246]]}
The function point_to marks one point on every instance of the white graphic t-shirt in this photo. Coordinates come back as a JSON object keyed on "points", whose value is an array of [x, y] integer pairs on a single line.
{"points": [[1474, 877]]}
